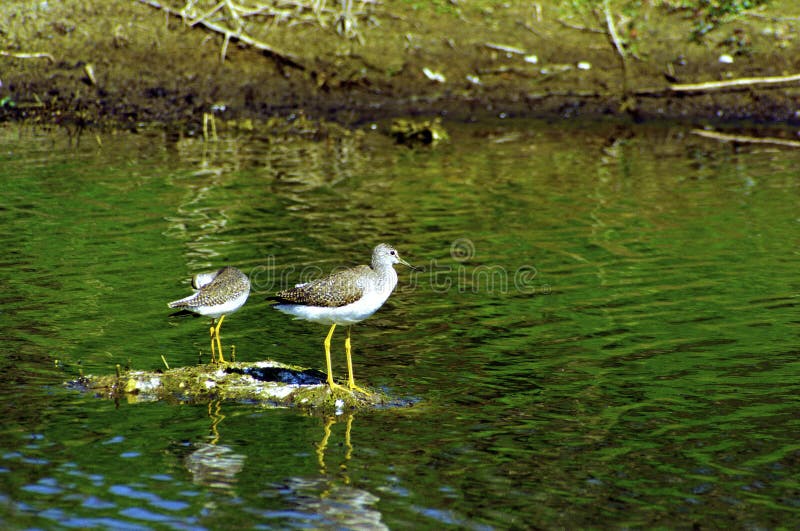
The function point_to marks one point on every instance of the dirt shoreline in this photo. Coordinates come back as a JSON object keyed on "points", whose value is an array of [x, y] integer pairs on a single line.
{"points": [[129, 64]]}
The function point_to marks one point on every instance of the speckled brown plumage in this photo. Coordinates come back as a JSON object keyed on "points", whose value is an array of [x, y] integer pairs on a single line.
{"points": [[338, 289], [215, 289]]}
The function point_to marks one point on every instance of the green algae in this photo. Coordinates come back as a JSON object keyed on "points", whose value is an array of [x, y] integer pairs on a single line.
{"points": [[267, 383]]}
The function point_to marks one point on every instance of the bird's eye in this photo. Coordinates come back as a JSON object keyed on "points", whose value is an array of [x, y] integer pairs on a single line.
{"points": [[392, 252]]}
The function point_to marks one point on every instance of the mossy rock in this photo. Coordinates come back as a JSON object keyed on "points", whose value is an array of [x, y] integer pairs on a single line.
{"points": [[418, 132], [267, 383]]}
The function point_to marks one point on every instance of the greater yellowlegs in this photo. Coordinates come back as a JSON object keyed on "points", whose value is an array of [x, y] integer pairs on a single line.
{"points": [[344, 298], [218, 294]]}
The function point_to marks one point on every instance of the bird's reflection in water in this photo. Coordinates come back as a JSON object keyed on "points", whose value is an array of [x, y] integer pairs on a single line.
{"points": [[212, 464], [323, 446], [330, 498]]}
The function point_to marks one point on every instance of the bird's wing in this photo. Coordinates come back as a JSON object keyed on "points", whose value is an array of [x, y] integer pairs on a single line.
{"points": [[181, 303], [338, 289], [199, 281]]}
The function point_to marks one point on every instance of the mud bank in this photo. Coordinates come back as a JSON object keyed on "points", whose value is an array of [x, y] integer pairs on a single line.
{"points": [[135, 63]]}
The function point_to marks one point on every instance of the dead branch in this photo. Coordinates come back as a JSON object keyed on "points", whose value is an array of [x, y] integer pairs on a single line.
{"points": [[739, 82], [723, 137], [612, 30], [579, 28], [772, 18], [505, 49], [229, 34], [616, 42], [201, 18], [28, 55]]}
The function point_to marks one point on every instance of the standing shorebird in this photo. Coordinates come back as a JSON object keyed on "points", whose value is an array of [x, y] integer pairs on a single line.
{"points": [[218, 293], [344, 298]]}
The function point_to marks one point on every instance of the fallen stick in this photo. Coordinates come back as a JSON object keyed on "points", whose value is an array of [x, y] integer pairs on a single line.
{"points": [[28, 55], [724, 137], [284, 57], [742, 81], [628, 103], [505, 49], [579, 28], [612, 30]]}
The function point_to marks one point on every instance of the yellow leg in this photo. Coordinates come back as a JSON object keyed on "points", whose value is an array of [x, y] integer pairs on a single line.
{"points": [[328, 355], [219, 343], [211, 332], [351, 382], [331, 383]]}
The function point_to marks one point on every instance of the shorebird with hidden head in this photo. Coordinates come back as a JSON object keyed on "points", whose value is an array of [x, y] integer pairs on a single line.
{"points": [[344, 298], [218, 294]]}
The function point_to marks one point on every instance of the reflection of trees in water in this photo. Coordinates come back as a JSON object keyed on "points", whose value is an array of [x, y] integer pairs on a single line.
{"points": [[237, 174], [311, 156]]}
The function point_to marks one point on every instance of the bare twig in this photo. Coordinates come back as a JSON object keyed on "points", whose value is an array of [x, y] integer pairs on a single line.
{"points": [[530, 28], [201, 18], [612, 30], [223, 52], [505, 49], [230, 34], [613, 36], [88, 68], [28, 55], [745, 139], [739, 82], [579, 28], [537, 12], [773, 18], [234, 10]]}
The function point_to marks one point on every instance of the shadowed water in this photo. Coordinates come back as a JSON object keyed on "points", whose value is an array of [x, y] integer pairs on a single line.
{"points": [[605, 333]]}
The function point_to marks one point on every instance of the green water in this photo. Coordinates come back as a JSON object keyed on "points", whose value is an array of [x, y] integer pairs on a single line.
{"points": [[606, 332]]}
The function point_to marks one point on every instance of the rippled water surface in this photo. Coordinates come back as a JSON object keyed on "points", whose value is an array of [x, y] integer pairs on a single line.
{"points": [[606, 332]]}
